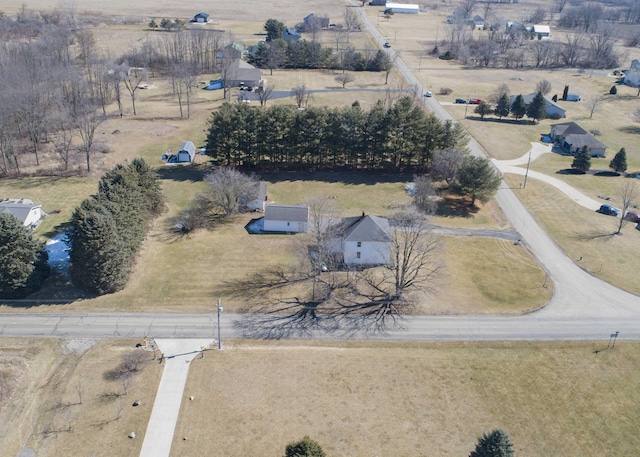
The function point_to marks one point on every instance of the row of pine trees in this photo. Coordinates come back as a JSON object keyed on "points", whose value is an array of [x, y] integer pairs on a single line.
{"points": [[396, 138]]}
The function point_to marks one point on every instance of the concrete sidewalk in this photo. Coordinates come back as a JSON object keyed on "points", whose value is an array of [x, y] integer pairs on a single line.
{"points": [[178, 355]]}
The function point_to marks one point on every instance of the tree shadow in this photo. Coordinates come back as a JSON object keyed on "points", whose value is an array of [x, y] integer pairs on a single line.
{"points": [[596, 235], [338, 175], [193, 172], [455, 207], [570, 171]]}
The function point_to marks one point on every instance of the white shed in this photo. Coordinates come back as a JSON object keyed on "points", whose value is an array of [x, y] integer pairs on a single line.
{"points": [[286, 218], [187, 152], [402, 8]]}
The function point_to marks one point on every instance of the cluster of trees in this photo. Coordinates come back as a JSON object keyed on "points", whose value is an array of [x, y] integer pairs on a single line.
{"points": [[589, 43], [107, 230], [399, 137], [535, 110], [582, 161], [23, 260], [168, 24]]}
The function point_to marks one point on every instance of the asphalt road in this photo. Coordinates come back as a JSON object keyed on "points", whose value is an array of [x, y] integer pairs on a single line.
{"points": [[419, 328]]}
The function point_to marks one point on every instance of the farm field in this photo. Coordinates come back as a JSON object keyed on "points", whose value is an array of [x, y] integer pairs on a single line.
{"points": [[354, 398]]}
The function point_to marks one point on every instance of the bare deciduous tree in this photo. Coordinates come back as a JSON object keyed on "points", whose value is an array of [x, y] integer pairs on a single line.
{"points": [[264, 94], [87, 122], [134, 77], [352, 20], [302, 95], [543, 86], [424, 194], [593, 102], [445, 164], [344, 79], [231, 189], [628, 195]]}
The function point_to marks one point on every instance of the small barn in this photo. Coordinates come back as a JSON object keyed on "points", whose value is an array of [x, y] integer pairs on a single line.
{"points": [[201, 18], [27, 212], [286, 218], [402, 8], [187, 152], [541, 31]]}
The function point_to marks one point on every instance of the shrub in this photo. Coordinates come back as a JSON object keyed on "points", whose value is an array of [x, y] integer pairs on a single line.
{"points": [[613, 90], [445, 90]]}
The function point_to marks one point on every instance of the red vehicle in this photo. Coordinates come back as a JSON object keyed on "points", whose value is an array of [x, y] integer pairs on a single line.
{"points": [[475, 101], [632, 216]]}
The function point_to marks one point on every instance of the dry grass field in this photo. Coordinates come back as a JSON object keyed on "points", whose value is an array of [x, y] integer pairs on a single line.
{"points": [[56, 400], [407, 400]]}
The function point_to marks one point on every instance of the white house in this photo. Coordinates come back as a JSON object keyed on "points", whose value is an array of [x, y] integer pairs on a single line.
{"points": [[24, 210], [365, 240], [632, 77], [286, 218], [402, 8], [552, 109]]}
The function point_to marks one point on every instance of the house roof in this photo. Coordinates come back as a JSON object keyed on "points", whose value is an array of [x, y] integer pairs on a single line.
{"points": [[541, 29], [242, 71], [189, 147], [291, 213], [528, 98], [19, 208], [366, 228], [477, 20], [202, 15], [576, 136]]}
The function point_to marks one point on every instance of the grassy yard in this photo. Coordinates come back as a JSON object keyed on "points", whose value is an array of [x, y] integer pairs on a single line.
{"points": [[60, 403], [389, 399], [584, 234]]}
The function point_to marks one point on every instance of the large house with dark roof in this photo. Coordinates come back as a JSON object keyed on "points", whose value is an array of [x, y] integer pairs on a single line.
{"points": [[572, 138], [364, 240]]}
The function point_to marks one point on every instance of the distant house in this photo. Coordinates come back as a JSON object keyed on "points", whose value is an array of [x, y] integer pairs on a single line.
{"points": [[477, 22], [553, 110], [541, 31], [290, 35], [364, 240], [402, 8], [259, 199], [27, 212], [187, 152], [632, 76], [201, 18], [572, 138], [240, 71], [286, 218], [231, 51], [312, 21]]}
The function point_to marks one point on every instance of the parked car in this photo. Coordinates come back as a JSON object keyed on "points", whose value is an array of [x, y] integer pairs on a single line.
{"points": [[428, 94], [632, 216], [609, 210], [386, 44], [475, 101], [460, 100]]}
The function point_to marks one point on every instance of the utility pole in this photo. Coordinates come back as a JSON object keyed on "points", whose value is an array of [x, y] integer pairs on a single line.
{"points": [[219, 337], [526, 174]]}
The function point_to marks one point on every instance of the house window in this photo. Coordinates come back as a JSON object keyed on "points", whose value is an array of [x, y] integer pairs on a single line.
{"points": [[359, 244], [357, 255]]}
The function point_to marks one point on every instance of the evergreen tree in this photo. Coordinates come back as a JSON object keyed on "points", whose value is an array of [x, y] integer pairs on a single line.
{"points": [[494, 444], [274, 29], [23, 260], [582, 160], [537, 108], [518, 108], [306, 447], [619, 161], [483, 109], [477, 179], [613, 90], [502, 107]]}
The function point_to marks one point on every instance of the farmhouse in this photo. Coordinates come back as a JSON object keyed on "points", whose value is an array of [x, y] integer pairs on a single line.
{"points": [[290, 35], [402, 8], [553, 110], [286, 218], [312, 22], [364, 240], [572, 138], [201, 18], [27, 212], [240, 71], [632, 77]]}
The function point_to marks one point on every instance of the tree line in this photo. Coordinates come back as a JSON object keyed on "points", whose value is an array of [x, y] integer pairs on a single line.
{"points": [[402, 136], [106, 230]]}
